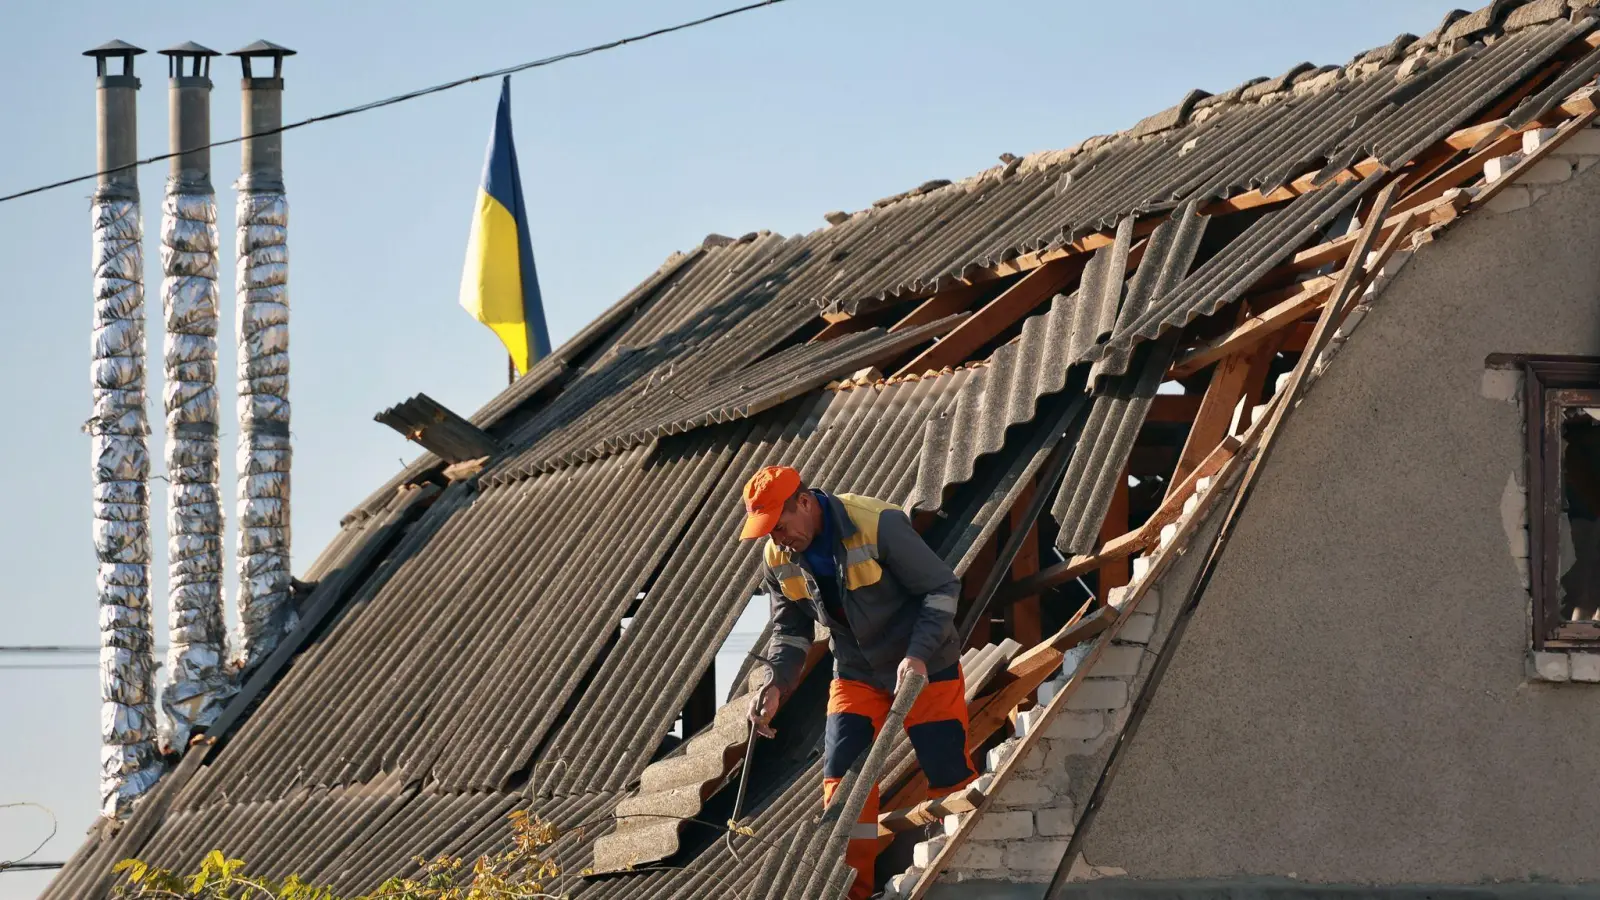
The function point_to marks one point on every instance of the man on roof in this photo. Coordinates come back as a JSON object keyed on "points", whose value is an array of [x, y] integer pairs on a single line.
{"points": [[856, 565]]}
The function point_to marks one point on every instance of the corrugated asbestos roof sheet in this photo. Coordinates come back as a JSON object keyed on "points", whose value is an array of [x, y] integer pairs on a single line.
{"points": [[479, 663]]}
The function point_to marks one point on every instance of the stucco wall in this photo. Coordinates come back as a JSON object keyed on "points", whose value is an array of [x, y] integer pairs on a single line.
{"points": [[1349, 703]]}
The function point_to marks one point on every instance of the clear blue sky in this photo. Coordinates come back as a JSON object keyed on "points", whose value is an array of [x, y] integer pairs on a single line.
{"points": [[766, 121]]}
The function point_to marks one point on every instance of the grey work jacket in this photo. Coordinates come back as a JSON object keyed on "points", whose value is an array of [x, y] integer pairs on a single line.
{"points": [[898, 597]]}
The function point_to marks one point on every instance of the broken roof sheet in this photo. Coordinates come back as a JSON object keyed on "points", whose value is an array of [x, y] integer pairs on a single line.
{"points": [[474, 661]]}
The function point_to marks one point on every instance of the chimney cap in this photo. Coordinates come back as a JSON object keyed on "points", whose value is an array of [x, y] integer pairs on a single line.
{"points": [[189, 48], [263, 48], [114, 48]]}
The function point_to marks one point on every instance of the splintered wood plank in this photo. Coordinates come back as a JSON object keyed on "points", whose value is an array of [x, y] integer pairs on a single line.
{"points": [[1023, 615], [997, 315], [1215, 418], [929, 811]]}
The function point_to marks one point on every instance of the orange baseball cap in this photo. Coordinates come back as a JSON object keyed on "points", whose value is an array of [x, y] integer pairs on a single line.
{"points": [[764, 496]]}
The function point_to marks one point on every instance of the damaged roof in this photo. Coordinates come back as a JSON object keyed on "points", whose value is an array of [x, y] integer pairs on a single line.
{"points": [[526, 636]]}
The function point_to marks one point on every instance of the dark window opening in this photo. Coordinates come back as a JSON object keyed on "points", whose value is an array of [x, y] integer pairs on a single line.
{"points": [[1561, 397], [1578, 558]]}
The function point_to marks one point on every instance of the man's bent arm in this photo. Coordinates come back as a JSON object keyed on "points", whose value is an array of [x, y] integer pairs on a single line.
{"points": [[923, 573], [790, 642]]}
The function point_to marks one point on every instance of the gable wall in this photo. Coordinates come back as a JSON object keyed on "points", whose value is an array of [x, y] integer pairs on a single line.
{"points": [[1350, 701]]}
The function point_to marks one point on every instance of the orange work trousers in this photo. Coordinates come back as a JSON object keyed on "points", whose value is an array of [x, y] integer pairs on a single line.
{"points": [[937, 727]]}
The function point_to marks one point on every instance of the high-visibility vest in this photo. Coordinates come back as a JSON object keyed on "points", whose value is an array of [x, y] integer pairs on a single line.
{"points": [[860, 551]]}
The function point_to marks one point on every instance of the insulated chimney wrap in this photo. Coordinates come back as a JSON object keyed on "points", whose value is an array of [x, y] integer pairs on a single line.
{"points": [[199, 680], [266, 608], [129, 761]]}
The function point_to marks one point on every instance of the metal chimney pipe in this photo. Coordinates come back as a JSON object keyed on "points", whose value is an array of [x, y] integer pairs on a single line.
{"points": [[129, 760], [266, 608], [199, 680]]}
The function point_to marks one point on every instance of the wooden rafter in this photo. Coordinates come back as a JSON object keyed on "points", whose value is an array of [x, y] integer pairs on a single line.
{"points": [[1253, 330], [1173, 408], [1140, 538], [972, 585], [1438, 212], [1116, 572], [997, 315], [956, 299], [1023, 615], [1563, 133], [1231, 383], [1114, 617], [1460, 173]]}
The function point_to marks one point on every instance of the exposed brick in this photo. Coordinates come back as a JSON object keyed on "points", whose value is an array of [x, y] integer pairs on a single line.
{"points": [[1511, 199], [1544, 666], [997, 756], [1536, 138], [1138, 628], [923, 853], [1141, 568], [1035, 856], [1501, 384], [1056, 821], [1519, 542], [1099, 693], [1584, 666], [1049, 690], [1119, 660], [977, 855], [1076, 725], [1028, 792], [1001, 825], [1497, 168]]}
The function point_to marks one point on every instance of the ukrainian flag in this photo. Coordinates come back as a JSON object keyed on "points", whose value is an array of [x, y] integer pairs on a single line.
{"points": [[499, 285]]}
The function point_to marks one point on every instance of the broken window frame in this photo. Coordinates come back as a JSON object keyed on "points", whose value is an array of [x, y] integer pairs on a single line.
{"points": [[1550, 385]]}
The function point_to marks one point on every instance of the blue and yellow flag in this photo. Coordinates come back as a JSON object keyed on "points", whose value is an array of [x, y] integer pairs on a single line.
{"points": [[499, 285]]}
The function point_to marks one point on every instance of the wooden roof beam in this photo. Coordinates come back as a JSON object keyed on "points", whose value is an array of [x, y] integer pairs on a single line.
{"points": [[1141, 538], [994, 317]]}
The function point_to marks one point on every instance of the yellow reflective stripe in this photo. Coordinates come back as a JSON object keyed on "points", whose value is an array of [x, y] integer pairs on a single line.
{"points": [[945, 603], [862, 574]]}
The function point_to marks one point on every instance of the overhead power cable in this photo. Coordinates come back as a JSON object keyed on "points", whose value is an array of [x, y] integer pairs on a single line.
{"points": [[410, 95], [23, 861]]}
